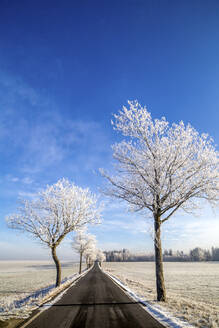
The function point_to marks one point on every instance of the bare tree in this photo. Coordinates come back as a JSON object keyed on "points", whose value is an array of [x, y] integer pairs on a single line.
{"points": [[81, 243], [160, 169], [58, 210]]}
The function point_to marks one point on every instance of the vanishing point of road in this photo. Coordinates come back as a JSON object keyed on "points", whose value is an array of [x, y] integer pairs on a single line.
{"points": [[95, 301]]}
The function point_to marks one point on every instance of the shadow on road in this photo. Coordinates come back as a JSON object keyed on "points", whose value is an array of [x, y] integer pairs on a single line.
{"points": [[94, 304]]}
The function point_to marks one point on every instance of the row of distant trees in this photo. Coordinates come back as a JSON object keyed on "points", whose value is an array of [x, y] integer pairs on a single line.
{"points": [[85, 245], [196, 254]]}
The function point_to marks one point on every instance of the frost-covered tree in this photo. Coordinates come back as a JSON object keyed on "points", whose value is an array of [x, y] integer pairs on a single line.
{"points": [[125, 254], [197, 254], [81, 243], [215, 253], [100, 256], [58, 210], [161, 168], [90, 254]]}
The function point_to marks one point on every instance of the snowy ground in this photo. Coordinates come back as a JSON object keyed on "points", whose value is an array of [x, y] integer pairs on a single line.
{"points": [[23, 285], [192, 288]]}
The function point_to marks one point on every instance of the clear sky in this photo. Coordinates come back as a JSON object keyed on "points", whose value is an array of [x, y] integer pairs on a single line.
{"points": [[66, 67]]}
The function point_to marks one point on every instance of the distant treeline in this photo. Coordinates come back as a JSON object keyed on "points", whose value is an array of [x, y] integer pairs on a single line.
{"points": [[196, 254]]}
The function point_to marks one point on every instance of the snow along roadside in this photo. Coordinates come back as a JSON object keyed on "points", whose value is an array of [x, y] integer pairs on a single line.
{"points": [[161, 315], [43, 307], [38, 301]]}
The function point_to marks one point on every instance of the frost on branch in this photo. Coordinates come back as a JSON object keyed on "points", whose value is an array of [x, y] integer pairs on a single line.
{"points": [[83, 242], [58, 210], [161, 166], [101, 257]]}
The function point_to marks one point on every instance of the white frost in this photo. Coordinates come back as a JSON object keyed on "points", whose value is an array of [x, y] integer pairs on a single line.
{"points": [[159, 314], [20, 303]]}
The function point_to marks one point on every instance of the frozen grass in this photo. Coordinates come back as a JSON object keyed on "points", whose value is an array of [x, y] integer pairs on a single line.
{"points": [[19, 280], [192, 288]]}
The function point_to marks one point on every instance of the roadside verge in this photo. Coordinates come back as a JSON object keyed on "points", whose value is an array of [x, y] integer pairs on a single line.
{"points": [[36, 307], [156, 311]]}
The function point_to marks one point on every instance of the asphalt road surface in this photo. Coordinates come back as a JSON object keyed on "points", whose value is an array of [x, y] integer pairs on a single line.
{"points": [[95, 301]]}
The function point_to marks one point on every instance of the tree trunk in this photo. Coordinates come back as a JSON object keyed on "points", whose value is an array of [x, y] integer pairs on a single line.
{"points": [[161, 291], [80, 263], [58, 266]]}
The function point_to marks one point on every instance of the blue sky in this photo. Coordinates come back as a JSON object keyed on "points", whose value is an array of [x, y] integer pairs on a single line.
{"points": [[65, 67]]}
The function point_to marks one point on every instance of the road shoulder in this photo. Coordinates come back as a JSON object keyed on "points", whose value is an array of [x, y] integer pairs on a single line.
{"points": [[164, 318], [22, 323]]}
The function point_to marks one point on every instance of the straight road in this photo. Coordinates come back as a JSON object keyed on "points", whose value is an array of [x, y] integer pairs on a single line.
{"points": [[95, 301]]}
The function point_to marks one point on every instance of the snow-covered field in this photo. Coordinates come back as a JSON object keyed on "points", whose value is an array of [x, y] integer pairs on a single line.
{"points": [[192, 288], [19, 279]]}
